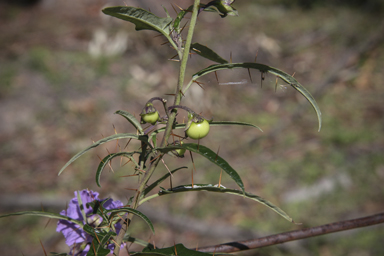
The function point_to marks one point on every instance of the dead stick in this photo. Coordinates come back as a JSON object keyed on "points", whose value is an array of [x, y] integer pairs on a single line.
{"points": [[296, 235]]}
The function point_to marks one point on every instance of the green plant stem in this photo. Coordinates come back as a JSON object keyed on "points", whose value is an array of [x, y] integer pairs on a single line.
{"points": [[183, 66], [167, 132]]}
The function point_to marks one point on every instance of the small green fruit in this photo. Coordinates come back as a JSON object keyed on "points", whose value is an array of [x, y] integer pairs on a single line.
{"points": [[198, 130], [180, 152], [149, 114], [150, 117]]}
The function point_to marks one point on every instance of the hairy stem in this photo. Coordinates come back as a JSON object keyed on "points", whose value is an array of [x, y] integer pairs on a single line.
{"points": [[183, 66]]}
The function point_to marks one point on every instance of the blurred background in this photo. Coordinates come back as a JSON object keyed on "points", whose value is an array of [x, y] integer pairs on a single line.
{"points": [[65, 68]]}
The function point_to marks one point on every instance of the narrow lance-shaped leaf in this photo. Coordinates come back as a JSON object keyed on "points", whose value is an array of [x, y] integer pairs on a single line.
{"points": [[264, 68], [143, 138], [100, 238], [81, 205], [207, 53], [108, 158], [44, 214], [129, 238], [222, 189], [143, 19], [131, 119], [212, 123], [211, 156], [180, 16], [133, 211]]}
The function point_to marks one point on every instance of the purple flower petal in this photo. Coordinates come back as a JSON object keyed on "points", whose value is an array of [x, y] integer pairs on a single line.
{"points": [[74, 235]]}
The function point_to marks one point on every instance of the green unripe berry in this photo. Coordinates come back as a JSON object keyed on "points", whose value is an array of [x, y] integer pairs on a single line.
{"points": [[150, 117], [198, 130], [149, 114], [180, 152]]}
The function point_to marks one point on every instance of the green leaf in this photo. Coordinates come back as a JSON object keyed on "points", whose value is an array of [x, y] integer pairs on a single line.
{"points": [[180, 16], [81, 205], [133, 211], [131, 119], [100, 238], [99, 250], [211, 123], [211, 156], [143, 138], [223, 7], [178, 249], [222, 189], [264, 69], [44, 214], [207, 53], [157, 182], [143, 19], [166, 11], [128, 238], [108, 158]]}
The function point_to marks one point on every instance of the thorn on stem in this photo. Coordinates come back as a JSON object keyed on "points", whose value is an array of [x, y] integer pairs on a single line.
{"points": [[221, 173], [199, 84], [174, 8], [45, 253], [47, 223], [276, 84], [217, 79], [127, 143], [217, 154], [250, 77]]}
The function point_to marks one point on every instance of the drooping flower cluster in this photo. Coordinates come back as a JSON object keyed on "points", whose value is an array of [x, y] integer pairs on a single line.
{"points": [[77, 239]]}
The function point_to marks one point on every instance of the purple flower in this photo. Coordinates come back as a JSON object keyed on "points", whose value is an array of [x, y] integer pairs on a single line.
{"points": [[75, 237]]}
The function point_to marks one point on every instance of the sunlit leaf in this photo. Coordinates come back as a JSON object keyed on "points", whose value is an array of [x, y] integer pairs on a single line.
{"points": [[143, 138], [215, 188], [207, 53], [131, 119], [143, 19], [211, 156], [264, 68], [133, 211]]}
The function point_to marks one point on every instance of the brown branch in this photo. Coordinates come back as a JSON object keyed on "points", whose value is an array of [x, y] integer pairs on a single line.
{"points": [[295, 235]]}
